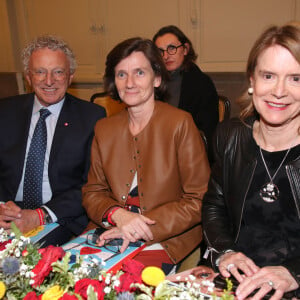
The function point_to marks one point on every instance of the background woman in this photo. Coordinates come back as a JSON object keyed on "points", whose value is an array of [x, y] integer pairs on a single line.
{"points": [[189, 88], [149, 169], [251, 212]]}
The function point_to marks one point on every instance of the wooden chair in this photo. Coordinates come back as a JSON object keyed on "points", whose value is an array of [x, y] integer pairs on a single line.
{"points": [[224, 108], [110, 105]]}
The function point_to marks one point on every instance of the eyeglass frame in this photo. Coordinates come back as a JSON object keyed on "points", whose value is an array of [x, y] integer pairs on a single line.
{"points": [[41, 74], [162, 51], [114, 243]]}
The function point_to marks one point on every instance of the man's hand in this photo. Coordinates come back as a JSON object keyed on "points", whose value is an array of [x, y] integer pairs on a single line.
{"points": [[28, 221], [9, 212], [25, 219]]}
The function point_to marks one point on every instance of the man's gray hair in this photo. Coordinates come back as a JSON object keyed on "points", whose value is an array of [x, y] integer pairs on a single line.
{"points": [[51, 42]]}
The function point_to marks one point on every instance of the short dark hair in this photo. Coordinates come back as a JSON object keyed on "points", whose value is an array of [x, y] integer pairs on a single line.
{"points": [[126, 48], [183, 39]]}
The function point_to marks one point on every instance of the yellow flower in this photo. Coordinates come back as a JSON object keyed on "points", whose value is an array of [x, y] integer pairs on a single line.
{"points": [[153, 276], [2, 289], [54, 293]]}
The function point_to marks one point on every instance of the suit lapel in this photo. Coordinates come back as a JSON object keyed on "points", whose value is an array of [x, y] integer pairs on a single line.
{"points": [[24, 107], [63, 126]]}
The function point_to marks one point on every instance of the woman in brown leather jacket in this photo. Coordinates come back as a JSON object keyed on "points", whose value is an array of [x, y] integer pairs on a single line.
{"points": [[251, 210], [149, 169]]}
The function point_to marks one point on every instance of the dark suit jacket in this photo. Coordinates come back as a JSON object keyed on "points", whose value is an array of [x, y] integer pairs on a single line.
{"points": [[69, 158], [199, 97]]}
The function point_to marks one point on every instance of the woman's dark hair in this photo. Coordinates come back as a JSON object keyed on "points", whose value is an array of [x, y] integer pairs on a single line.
{"points": [[287, 36], [126, 48], [183, 39]]}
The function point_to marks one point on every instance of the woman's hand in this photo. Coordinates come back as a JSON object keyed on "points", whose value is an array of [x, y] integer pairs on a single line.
{"points": [[111, 234], [266, 279], [236, 262], [133, 226]]}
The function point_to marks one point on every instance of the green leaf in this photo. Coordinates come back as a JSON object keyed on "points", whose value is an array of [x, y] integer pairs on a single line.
{"points": [[15, 230], [92, 295]]}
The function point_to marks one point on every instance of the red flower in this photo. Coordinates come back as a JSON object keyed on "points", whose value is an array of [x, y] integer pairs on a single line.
{"points": [[68, 297], [49, 254], [82, 285], [31, 296], [3, 244], [133, 270], [132, 266]]}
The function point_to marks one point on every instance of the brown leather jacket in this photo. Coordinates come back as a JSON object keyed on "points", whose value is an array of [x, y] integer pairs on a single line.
{"points": [[170, 159]]}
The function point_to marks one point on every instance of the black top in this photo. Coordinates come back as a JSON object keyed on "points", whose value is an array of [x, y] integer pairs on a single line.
{"points": [[270, 231], [199, 97]]}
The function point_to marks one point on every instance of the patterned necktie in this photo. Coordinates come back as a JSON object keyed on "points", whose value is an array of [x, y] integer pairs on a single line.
{"points": [[33, 178]]}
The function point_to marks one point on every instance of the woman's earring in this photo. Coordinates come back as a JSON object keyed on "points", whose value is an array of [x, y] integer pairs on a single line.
{"points": [[250, 90]]}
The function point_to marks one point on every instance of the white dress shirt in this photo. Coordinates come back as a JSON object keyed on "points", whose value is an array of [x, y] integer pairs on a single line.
{"points": [[51, 121]]}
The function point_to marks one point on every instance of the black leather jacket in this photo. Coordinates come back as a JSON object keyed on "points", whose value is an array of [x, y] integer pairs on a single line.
{"points": [[235, 160]]}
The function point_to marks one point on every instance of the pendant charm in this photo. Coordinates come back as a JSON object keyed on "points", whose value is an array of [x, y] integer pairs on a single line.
{"points": [[269, 192]]}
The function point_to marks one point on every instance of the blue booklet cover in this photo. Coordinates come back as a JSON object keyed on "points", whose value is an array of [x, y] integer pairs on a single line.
{"points": [[39, 232], [108, 255]]}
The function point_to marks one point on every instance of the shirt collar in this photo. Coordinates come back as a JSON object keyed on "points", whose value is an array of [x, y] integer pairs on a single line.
{"points": [[54, 108]]}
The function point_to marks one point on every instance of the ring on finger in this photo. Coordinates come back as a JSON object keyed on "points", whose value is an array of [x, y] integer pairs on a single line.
{"points": [[229, 267], [271, 283]]}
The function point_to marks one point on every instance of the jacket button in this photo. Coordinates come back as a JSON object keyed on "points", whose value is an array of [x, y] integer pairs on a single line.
{"points": [[135, 138], [123, 197], [138, 151], [144, 208], [141, 179], [131, 171], [127, 184], [134, 157]]}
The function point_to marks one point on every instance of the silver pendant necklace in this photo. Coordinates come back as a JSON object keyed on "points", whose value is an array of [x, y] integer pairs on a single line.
{"points": [[269, 192]]}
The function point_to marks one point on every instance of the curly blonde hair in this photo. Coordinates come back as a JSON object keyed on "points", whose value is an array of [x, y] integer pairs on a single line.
{"points": [[51, 42]]}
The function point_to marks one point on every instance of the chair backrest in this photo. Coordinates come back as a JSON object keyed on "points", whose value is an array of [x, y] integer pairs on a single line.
{"points": [[224, 108], [110, 105]]}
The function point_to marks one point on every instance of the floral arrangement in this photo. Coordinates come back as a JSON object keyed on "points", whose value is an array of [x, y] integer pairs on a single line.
{"points": [[29, 272]]}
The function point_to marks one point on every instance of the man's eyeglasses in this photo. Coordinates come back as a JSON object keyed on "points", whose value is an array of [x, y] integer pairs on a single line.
{"points": [[171, 49], [41, 74]]}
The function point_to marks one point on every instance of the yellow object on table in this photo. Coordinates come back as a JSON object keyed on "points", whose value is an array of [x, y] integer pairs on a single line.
{"points": [[153, 276]]}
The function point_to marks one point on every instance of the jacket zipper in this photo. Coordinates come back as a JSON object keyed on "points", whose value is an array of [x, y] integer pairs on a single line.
{"points": [[294, 196], [209, 250]]}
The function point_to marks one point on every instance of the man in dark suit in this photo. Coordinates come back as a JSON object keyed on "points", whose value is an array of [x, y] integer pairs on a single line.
{"points": [[49, 66]]}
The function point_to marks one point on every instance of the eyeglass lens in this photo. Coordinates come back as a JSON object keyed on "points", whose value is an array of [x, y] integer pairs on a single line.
{"points": [[171, 50]]}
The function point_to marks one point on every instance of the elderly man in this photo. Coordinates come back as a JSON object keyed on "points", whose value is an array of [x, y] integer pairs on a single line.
{"points": [[45, 140]]}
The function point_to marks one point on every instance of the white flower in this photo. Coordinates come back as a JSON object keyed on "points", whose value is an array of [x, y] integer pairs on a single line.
{"points": [[116, 283], [95, 261], [17, 253], [107, 280], [192, 277], [107, 289], [31, 282]]}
